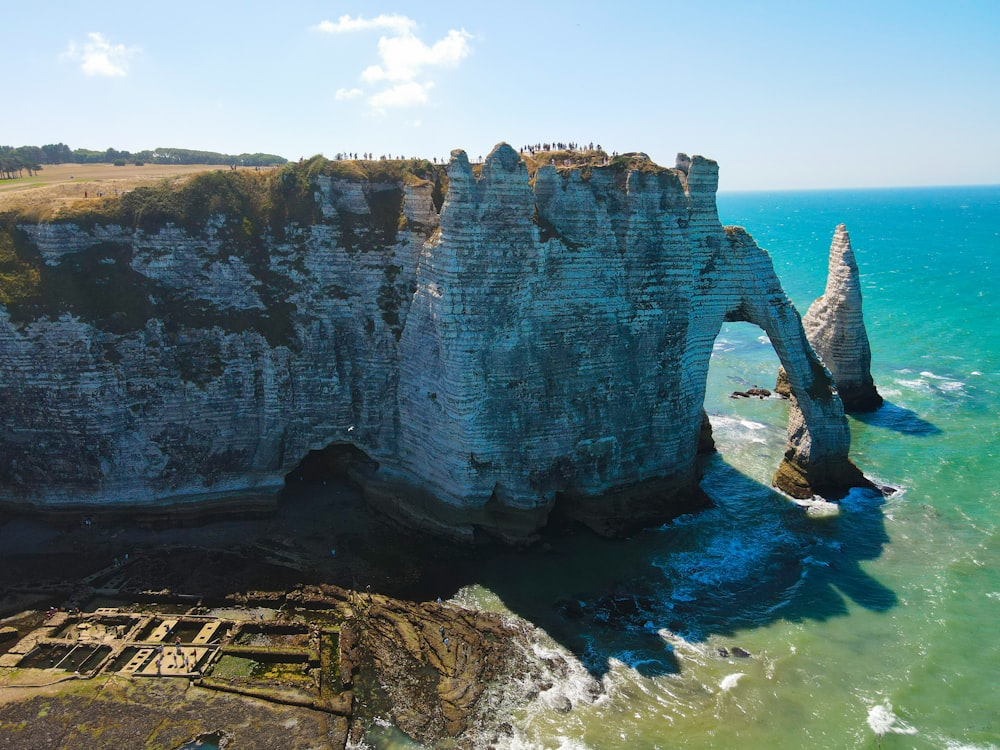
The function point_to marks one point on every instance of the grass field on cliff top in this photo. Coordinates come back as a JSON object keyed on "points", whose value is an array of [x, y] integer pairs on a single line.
{"points": [[58, 185]]}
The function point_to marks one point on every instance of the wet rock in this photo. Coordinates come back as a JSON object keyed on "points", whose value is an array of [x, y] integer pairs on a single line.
{"points": [[433, 663], [561, 703], [755, 392], [740, 653], [723, 652], [594, 689]]}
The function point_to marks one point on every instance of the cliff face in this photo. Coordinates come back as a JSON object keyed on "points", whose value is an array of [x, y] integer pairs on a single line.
{"points": [[532, 345]]}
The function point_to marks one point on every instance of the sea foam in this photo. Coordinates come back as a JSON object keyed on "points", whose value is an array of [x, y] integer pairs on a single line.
{"points": [[729, 681], [883, 721]]}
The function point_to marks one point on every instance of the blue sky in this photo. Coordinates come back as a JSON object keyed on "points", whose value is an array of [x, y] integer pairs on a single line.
{"points": [[783, 95]]}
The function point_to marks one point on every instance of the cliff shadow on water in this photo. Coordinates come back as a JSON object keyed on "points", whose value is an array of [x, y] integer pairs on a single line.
{"points": [[899, 419], [704, 581]]}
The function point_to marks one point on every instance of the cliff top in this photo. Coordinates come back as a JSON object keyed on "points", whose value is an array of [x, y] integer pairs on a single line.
{"points": [[105, 193], [89, 193]]}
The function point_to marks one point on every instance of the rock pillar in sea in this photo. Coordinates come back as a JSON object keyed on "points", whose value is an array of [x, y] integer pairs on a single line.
{"points": [[816, 456], [835, 327]]}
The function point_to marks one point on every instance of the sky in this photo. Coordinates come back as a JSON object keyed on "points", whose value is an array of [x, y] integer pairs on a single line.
{"points": [[784, 95]]}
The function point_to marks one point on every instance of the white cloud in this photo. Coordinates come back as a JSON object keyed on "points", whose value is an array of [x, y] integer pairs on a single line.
{"points": [[409, 94], [98, 57], [404, 59], [393, 22]]}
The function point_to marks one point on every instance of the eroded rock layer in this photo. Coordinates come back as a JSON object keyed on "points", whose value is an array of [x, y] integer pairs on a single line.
{"points": [[537, 343], [836, 330]]}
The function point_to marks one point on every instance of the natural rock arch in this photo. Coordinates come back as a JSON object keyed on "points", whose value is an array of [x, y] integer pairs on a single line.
{"points": [[816, 458], [617, 285], [546, 337]]}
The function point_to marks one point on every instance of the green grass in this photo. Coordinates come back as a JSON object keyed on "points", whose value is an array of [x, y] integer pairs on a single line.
{"points": [[21, 182]]}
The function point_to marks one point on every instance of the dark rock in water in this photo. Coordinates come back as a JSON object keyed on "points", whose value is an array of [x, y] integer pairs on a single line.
{"points": [[595, 689], [562, 704], [887, 490], [755, 392], [570, 609], [618, 611], [741, 653], [724, 652], [625, 605]]}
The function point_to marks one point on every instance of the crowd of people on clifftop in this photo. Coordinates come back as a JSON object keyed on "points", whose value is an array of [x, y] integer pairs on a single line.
{"points": [[561, 146], [531, 149]]}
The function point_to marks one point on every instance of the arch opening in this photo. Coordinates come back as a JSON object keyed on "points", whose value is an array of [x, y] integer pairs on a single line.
{"points": [[748, 421]]}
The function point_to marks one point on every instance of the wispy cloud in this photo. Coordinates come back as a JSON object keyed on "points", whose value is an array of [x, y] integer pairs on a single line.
{"points": [[99, 57], [400, 77], [393, 22]]}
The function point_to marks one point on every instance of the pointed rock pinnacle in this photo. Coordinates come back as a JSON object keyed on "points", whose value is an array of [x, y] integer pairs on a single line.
{"points": [[835, 327]]}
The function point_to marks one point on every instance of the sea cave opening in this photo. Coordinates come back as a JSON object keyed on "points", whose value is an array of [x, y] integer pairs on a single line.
{"points": [[337, 461]]}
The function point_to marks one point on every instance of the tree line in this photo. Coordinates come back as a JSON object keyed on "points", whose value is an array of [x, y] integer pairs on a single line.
{"points": [[14, 162]]}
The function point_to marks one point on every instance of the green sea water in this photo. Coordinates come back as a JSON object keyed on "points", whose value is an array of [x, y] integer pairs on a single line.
{"points": [[873, 627]]}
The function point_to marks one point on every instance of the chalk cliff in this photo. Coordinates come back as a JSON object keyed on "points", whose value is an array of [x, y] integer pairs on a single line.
{"points": [[835, 327], [536, 342]]}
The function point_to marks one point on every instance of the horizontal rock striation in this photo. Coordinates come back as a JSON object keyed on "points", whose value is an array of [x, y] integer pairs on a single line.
{"points": [[541, 343], [835, 327]]}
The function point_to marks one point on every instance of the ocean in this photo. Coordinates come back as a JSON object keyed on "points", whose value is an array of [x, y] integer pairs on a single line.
{"points": [[874, 626]]}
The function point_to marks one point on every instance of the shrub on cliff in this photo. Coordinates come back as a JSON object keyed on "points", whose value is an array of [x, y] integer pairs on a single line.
{"points": [[19, 279]]}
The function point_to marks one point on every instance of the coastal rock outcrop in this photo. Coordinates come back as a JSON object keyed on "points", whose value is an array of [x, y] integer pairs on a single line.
{"points": [[533, 343], [835, 328]]}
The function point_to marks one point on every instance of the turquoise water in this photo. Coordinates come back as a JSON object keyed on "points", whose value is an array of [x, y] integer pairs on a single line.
{"points": [[873, 627]]}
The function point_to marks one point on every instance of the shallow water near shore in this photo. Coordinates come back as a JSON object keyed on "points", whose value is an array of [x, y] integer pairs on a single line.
{"points": [[870, 626]]}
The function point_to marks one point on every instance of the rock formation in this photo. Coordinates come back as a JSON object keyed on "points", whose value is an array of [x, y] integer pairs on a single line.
{"points": [[835, 327], [537, 344]]}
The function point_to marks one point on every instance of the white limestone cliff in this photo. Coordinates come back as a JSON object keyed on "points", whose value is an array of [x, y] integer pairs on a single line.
{"points": [[535, 348]]}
